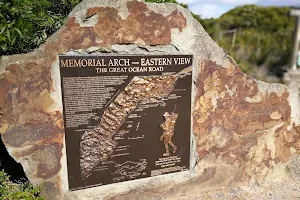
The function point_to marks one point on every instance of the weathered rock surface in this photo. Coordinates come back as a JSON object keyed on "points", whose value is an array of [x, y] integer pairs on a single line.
{"points": [[244, 130]]}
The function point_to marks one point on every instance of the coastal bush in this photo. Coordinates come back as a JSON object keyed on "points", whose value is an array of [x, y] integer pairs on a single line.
{"points": [[16, 191]]}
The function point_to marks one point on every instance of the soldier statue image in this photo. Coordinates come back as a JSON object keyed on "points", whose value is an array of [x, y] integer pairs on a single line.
{"points": [[168, 131]]}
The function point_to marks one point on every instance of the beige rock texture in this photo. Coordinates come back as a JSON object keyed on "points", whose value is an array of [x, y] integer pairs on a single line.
{"points": [[244, 130]]}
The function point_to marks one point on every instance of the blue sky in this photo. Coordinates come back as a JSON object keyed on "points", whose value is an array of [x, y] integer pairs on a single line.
{"points": [[215, 8]]}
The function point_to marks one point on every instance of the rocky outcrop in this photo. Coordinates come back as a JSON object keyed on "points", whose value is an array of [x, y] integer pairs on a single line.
{"points": [[244, 130]]}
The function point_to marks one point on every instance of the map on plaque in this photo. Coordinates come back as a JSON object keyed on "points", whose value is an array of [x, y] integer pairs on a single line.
{"points": [[126, 117]]}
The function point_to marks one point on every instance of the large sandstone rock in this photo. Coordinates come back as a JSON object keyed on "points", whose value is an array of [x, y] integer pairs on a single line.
{"points": [[244, 130]]}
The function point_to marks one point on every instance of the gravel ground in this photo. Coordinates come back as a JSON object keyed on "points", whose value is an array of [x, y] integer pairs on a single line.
{"points": [[287, 189]]}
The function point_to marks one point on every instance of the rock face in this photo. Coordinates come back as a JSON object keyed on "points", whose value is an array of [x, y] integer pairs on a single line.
{"points": [[244, 130]]}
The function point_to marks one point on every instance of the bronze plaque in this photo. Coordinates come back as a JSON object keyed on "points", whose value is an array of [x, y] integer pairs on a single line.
{"points": [[126, 117]]}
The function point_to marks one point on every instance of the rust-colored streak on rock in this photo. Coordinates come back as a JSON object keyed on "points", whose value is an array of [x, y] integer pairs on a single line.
{"points": [[51, 190], [141, 26], [137, 8], [177, 20], [236, 121], [26, 119], [75, 37], [286, 139], [47, 159], [20, 135], [25, 152], [25, 84], [216, 105], [109, 30], [92, 11]]}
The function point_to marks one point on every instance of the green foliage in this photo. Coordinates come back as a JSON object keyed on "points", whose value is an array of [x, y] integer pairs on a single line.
{"points": [[16, 191], [25, 24], [255, 36]]}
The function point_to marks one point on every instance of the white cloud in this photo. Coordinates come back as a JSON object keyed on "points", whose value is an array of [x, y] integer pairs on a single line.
{"points": [[215, 8], [228, 2], [209, 10], [189, 1], [233, 2], [279, 2]]}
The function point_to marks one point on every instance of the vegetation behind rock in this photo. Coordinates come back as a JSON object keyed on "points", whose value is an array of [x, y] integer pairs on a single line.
{"points": [[258, 38], [25, 24]]}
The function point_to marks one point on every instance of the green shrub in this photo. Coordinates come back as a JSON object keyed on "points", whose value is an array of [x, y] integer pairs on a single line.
{"points": [[255, 36], [17, 191], [25, 24]]}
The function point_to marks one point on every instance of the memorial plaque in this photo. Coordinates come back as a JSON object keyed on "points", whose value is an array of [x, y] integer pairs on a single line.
{"points": [[125, 117]]}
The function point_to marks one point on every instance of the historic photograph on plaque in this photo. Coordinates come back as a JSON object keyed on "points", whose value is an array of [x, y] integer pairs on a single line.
{"points": [[126, 117]]}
